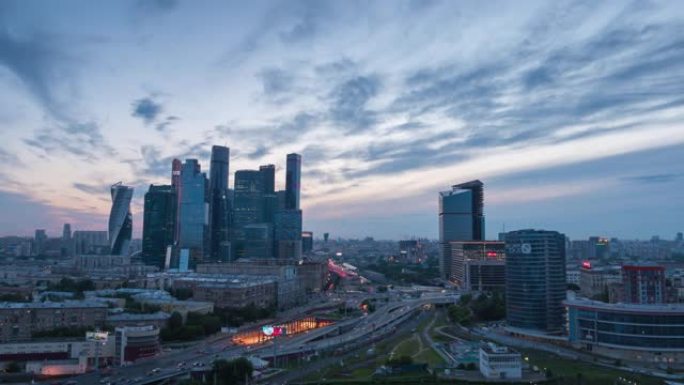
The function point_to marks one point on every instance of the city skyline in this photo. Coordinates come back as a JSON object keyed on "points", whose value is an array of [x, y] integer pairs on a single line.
{"points": [[569, 113]]}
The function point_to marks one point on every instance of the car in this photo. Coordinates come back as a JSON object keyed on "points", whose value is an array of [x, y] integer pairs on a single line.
{"points": [[156, 370]]}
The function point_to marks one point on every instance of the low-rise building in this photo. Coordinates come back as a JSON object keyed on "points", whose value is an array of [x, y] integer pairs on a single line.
{"points": [[595, 280], [478, 265], [135, 342], [499, 362], [19, 321]]}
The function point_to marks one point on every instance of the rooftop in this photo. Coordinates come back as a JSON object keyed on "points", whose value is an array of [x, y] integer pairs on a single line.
{"points": [[669, 308], [52, 305]]}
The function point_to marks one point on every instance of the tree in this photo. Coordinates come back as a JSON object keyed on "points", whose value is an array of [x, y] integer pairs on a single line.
{"points": [[13, 367], [232, 372], [176, 321], [460, 315], [400, 361], [471, 366]]}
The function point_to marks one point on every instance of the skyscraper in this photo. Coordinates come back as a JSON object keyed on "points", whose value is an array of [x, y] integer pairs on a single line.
{"points": [[288, 234], [247, 207], [67, 246], [159, 224], [461, 218], [120, 219], [535, 280], [193, 216], [176, 167], [268, 175], [39, 240], [293, 181], [66, 232], [219, 209]]}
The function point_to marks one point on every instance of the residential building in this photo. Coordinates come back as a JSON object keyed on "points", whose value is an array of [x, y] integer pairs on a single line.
{"points": [[643, 284], [596, 280], [535, 280]]}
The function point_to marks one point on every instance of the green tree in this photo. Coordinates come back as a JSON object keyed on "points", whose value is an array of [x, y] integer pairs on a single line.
{"points": [[13, 367], [460, 315], [232, 372], [175, 321]]}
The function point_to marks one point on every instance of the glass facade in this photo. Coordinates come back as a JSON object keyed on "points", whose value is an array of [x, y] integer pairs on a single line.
{"points": [[288, 234], [535, 280], [293, 181], [120, 219], [159, 222], [193, 208], [615, 325], [219, 209]]}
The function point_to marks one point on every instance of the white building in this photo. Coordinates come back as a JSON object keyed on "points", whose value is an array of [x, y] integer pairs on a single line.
{"points": [[499, 362]]}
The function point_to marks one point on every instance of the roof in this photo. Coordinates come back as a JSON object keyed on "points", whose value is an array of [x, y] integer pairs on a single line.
{"points": [[52, 305], [668, 308]]}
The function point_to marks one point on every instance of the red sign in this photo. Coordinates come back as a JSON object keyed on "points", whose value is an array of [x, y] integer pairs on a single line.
{"points": [[586, 264]]}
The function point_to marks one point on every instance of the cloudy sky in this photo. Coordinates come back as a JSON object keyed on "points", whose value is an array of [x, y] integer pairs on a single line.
{"points": [[571, 113]]}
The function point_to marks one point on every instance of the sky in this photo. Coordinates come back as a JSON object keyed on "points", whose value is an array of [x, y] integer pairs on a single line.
{"points": [[570, 112]]}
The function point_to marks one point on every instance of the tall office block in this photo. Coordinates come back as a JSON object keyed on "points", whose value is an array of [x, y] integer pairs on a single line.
{"points": [[120, 219], [66, 232], [39, 240], [268, 177], [288, 234], [258, 242], [461, 218], [219, 209], [535, 280], [193, 216], [293, 181], [67, 246], [159, 224], [247, 207], [307, 242]]}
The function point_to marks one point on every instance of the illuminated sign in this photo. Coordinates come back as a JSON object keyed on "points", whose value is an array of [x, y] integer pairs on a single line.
{"points": [[519, 248], [491, 254], [586, 264], [273, 331], [97, 336]]}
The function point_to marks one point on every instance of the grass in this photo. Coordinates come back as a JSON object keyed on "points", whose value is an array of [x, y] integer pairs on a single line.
{"points": [[591, 374], [430, 357], [408, 347]]}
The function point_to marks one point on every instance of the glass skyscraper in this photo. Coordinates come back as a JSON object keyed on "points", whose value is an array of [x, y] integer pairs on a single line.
{"points": [[268, 174], [247, 207], [293, 181], [194, 210], [535, 280], [461, 218], [219, 209], [288, 234], [159, 223], [120, 219]]}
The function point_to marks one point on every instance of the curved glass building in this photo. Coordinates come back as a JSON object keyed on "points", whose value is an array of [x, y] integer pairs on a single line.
{"points": [[120, 219], [535, 280]]}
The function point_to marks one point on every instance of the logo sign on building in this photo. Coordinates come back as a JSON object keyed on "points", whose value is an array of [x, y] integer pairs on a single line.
{"points": [[273, 331], [519, 248]]}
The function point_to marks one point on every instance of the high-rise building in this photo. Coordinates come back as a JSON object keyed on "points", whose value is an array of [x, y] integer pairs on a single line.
{"points": [[67, 244], [159, 224], [268, 174], [293, 181], [535, 280], [288, 234], [219, 209], [461, 218], [176, 167], [258, 241], [39, 240], [307, 242], [66, 232], [643, 284], [90, 242], [479, 265], [194, 211], [247, 207], [120, 219]]}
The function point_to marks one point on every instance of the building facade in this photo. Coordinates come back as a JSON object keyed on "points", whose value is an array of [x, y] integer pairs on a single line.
{"points": [[461, 218], [535, 280], [220, 204], [193, 214], [499, 362], [293, 179], [159, 223], [479, 265], [643, 284], [595, 281]]}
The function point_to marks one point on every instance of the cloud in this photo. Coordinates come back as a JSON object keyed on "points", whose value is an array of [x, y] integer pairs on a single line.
{"points": [[153, 7], [92, 189], [349, 100], [653, 178], [166, 123], [146, 109], [81, 139]]}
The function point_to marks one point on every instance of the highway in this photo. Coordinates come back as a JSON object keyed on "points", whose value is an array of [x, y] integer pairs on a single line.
{"points": [[360, 331]]}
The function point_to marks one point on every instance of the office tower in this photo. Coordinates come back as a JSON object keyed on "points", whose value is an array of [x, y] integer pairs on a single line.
{"points": [[247, 207], [67, 244], [478, 265], [176, 167], [288, 234], [193, 211], [281, 197], [461, 218], [159, 224], [326, 236], [307, 242], [535, 280], [219, 209], [268, 175], [293, 181], [39, 240], [258, 242], [120, 219], [643, 284], [66, 232]]}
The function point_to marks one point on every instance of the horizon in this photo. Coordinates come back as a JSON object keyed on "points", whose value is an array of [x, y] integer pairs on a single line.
{"points": [[570, 114]]}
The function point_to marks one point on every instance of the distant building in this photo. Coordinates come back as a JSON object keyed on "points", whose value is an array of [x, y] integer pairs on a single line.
{"points": [[136, 342], [268, 178], [595, 281], [159, 223], [479, 265], [499, 362], [293, 181], [120, 219], [307, 242], [643, 284], [535, 280], [67, 244], [288, 234], [39, 240], [258, 241], [461, 218], [247, 208], [227, 291], [91, 242], [194, 212]]}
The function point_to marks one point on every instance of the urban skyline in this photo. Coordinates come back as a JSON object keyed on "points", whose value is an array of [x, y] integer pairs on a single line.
{"points": [[580, 138]]}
